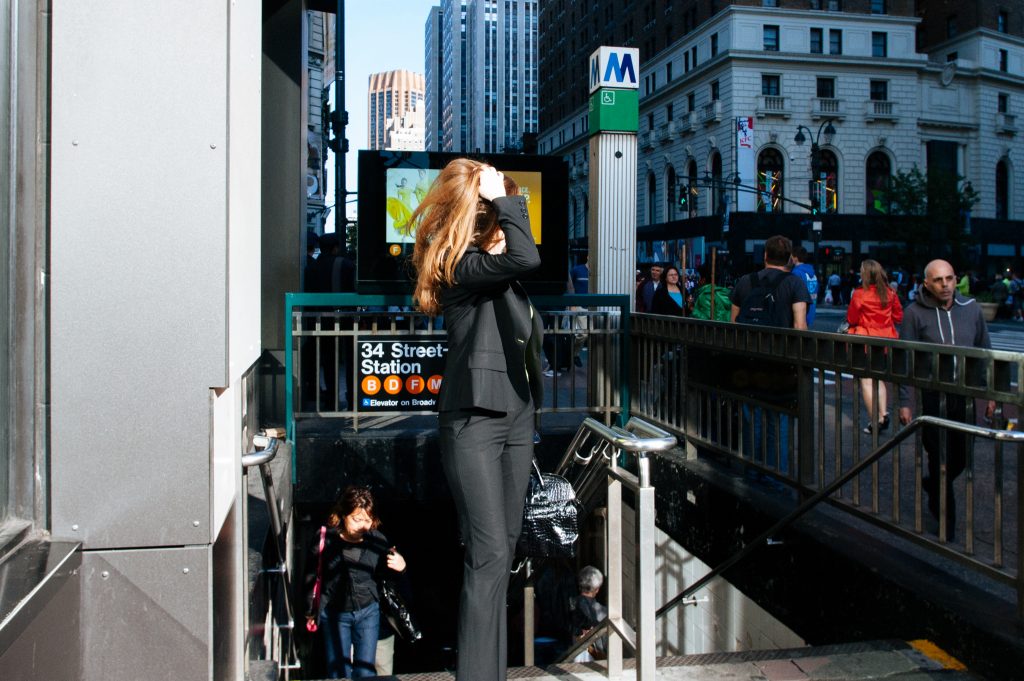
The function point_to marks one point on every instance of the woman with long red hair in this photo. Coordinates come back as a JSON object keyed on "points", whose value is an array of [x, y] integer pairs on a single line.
{"points": [[473, 240], [874, 310]]}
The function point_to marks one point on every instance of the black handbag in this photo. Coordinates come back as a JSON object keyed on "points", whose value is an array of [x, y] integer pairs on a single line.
{"points": [[551, 517], [394, 609]]}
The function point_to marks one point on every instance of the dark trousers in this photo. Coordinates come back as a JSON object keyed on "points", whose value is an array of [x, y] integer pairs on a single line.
{"points": [[486, 458], [956, 451]]}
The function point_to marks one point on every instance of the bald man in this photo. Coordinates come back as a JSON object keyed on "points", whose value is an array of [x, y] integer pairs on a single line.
{"points": [[940, 314]]}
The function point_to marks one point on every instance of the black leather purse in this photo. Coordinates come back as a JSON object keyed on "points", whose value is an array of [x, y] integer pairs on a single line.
{"points": [[394, 609], [551, 517]]}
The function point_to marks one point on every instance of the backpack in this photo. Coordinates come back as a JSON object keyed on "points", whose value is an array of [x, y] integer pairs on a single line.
{"points": [[759, 307]]}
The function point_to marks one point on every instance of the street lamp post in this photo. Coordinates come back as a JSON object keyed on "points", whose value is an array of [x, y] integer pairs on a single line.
{"points": [[829, 131]]}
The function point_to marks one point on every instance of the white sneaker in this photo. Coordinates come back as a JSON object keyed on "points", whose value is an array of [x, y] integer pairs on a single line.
{"points": [[551, 372]]}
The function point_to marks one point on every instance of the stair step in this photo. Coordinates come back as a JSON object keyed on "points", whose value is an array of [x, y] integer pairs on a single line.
{"points": [[867, 661]]}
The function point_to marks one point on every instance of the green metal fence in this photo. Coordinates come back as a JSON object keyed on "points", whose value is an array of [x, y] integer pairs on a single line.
{"points": [[586, 343]]}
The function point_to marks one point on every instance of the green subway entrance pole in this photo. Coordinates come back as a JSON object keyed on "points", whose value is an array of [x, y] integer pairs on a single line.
{"points": [[611, 223]]}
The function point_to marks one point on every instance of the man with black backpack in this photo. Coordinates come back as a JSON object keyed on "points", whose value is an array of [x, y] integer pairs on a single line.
{"points": [[773, 296]]}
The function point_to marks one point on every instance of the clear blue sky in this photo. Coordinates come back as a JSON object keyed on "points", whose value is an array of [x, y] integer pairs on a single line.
{"points": [[380, 35]]}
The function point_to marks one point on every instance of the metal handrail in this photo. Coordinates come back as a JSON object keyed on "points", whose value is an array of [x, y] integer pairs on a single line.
{"points": [[814, 500], [612, 442], [266, 450]]}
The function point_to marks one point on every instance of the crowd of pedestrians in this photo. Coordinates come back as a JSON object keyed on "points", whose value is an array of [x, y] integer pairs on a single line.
{"points": [[935, 306]]}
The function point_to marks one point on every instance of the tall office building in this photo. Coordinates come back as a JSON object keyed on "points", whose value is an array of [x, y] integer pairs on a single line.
{"points": [[488, 74], [392, 95], [432, 70], [453, 75]]}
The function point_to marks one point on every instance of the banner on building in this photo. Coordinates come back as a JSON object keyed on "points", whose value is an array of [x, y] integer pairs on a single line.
{"points": [[746, 162]]}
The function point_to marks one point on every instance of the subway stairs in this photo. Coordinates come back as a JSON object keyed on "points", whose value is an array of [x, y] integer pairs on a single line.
{"points": [[867, 661]]}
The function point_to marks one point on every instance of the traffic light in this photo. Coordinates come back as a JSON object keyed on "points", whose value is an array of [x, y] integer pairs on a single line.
{"points": [[688, 194], [338, 144]]}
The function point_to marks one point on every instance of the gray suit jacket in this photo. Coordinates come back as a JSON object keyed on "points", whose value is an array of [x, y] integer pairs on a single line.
{"points": [[494, 333]]}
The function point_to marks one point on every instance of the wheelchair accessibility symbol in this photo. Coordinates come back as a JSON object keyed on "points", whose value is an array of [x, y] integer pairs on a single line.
{"points": [[608, 97]]}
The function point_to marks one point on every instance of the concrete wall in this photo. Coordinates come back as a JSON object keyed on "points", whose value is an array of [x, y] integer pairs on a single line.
{"points": [[155, 317], [729, 621]]}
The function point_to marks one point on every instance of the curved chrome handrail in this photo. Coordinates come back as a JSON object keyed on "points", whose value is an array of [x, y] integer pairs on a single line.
{"points": [[258, 457]]}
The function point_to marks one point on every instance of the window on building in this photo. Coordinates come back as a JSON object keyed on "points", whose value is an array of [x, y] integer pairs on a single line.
{"points": [[686, 62], [1003, 105], [691, 101], [1002, 19], [952, 56], [815, 4], [769, 3], [817, 41], [825, 187], [693, 56], [1002, 190], [668, 72], [878, 175], [826, 88], [834, 5], [652, 196], [668, 111], [878, 7], [714, 44], [951, 29], [770, 170], [879, 44], [835, 41], [714, 91], [770, 85], [879, 90], [1003, 60], [771, 38], [650, 121]]}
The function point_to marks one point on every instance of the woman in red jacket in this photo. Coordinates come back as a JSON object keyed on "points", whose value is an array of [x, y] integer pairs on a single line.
{"points": [[874, 311]]}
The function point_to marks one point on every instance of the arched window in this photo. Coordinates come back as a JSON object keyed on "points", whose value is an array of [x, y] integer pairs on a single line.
{"points": [[878, 175], [670, 194], [691, 200], [717, 193], [827, 180], [770, 170], [1002, 190], [652, 194]]}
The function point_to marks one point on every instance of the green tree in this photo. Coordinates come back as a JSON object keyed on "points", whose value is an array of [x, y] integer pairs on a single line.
{"points": [[935, 206]]}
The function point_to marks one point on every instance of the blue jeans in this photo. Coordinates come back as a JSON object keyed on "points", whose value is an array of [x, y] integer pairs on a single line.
{"points": [[753, 438], [356, 631]]}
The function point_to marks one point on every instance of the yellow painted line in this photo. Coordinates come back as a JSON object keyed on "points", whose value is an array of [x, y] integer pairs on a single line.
{"points": [[936, 653]]}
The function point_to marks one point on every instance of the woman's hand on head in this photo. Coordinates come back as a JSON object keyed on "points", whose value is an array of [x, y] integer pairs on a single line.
{"points": [[492, 184]]}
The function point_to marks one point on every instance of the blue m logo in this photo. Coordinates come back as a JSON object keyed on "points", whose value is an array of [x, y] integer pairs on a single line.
{"points": [[614, 67]]}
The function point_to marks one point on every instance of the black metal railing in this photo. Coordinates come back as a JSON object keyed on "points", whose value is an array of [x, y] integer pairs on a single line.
{"points": [[787, 404]]}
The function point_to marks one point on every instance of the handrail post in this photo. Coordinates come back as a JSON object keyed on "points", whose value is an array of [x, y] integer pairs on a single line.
{"points": [[1020, 533], [645, 574], [614, 571], [528, 632]]}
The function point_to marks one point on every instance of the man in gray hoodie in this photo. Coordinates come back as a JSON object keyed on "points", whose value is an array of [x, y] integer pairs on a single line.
{"points": [[941, 315]]}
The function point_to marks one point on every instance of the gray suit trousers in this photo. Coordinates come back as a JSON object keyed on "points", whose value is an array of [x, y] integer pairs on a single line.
{"points": [[486, 458]]}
